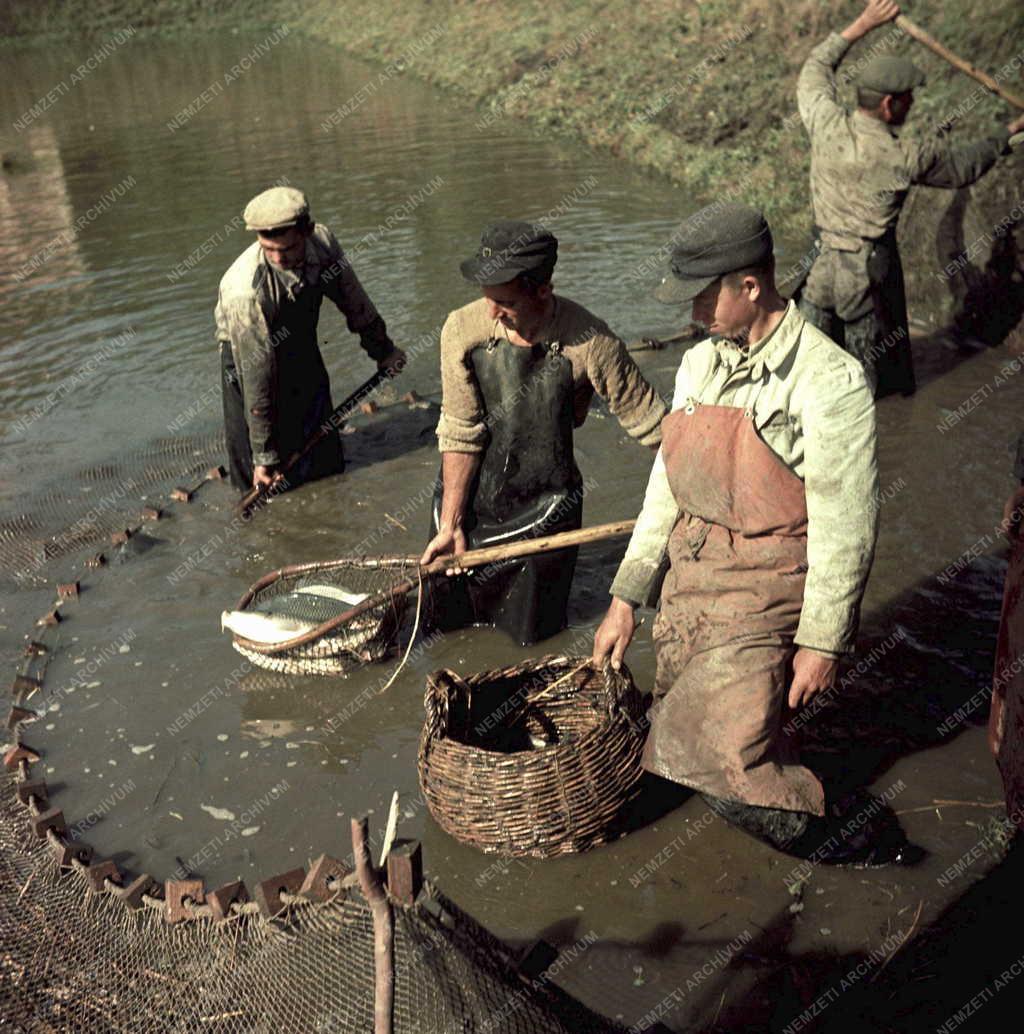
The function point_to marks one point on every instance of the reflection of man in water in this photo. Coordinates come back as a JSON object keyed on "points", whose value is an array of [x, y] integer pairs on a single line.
{"points": [[274, 384], [762, 501], [518, 370], [861, 171]]}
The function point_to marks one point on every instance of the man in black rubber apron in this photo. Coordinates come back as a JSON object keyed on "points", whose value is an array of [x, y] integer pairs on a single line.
{"points": [[763, 502], [861, 173], [274, 385], [519, 368]]}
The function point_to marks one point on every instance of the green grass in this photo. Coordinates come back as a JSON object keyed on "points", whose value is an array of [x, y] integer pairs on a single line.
{"points": [[587, 69]]}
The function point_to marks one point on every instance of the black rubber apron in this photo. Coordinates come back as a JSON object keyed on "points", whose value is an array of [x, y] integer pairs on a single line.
{"points": [[301, 396], [528, 485]]}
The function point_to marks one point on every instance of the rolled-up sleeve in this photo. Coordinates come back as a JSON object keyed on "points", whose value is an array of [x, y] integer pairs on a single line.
{"points": [[618, 380], [638, 579], [343, 288], [462, 426], [841, 484], [253, 346], [816, 95]]}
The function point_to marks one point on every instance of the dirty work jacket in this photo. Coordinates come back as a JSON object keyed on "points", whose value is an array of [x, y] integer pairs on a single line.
{"points": [[260, 306], [812, 407], [861, 171]]}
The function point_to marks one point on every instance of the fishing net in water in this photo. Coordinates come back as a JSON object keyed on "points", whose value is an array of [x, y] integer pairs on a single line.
{"points": [[76, 960], [326, 618]]}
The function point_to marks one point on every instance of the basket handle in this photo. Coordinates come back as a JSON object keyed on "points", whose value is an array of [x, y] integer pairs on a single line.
{"points": [[440, 686]]}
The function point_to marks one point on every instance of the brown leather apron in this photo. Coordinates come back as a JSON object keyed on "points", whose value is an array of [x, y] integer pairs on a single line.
{"points": [[730, 607]]}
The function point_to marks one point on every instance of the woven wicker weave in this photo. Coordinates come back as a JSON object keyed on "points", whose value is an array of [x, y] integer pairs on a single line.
{"points": [[488, 784]]}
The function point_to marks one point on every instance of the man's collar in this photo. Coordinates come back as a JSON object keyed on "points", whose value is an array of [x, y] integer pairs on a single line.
{"points": [[869, 124], [773, 349]]}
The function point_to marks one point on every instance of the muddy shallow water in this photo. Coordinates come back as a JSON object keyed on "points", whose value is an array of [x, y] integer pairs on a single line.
{"points": [[170, 753]]}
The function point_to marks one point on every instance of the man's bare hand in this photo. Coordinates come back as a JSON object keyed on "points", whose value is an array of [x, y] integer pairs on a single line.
{"points": [[1013, 511], [446, 543], [878, 12], [812, 672], [393, 363], [614, 634], [264, 476], [1016, 126]]}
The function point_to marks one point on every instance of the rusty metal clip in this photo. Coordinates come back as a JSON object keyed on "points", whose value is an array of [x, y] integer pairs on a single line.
{"points": [[69, 590], [131, 893], [50, 618], [152, 513], [119, 538], [33, 788], [96, 560], [65, 854], [20, 714], [13, 756], [176, 892], [25, 684], [100, 871], [268, 893], [182, 495], [217, 473], [324, 879], [34, 649], [52, 819], [221, 899]]}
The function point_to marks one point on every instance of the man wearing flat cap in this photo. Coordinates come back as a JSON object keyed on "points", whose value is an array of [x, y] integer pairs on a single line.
{"points": [[762, 503], [519, 368], [861, 171], [274, 385]]}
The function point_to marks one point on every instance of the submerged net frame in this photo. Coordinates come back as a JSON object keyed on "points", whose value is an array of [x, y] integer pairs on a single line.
{"points": [[88, 946], [361, 634]]}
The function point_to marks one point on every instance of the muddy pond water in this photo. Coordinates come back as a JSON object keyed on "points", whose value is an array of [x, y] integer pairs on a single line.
{"points": [[117, 218]]}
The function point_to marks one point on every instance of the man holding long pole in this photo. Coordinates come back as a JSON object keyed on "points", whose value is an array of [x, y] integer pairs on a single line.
{"points": [[861, 172], [274, 384]]}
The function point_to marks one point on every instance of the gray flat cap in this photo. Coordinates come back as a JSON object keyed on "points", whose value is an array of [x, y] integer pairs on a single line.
{"points": [[275, 208], [890, 74], [718, 239]]}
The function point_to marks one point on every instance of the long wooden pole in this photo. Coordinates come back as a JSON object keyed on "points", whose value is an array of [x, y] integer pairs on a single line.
{"points": [[333, 422], [471, 558], [928, 40], [383, 929]]}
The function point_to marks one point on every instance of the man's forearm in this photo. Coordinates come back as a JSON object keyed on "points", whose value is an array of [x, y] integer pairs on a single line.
{"points": [[458, 470]]}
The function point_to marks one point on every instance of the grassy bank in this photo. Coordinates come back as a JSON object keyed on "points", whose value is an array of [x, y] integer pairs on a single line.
{"points": [[702, 93]]}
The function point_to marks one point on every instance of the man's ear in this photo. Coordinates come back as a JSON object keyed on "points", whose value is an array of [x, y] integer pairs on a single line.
{"points": [[545, 291], [753, 287], [885, 108]]}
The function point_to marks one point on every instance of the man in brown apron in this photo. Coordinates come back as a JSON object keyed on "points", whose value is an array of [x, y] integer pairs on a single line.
{"points": [[762, 501]]}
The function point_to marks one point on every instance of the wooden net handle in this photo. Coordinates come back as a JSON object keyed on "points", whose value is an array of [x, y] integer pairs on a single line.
{"points": [[928, 40]]}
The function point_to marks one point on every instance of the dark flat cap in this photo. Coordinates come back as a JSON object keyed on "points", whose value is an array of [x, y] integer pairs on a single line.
{"points": [[719, 239], [890, 74], [510, 248], [275, 208]]}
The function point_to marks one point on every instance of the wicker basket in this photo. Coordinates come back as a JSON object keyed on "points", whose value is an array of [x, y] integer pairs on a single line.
{"points": [[490, 781]]}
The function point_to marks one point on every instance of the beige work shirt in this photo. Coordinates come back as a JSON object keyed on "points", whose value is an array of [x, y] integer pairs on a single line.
{"points": [[600, 363], [813, 408], [861, 171]]}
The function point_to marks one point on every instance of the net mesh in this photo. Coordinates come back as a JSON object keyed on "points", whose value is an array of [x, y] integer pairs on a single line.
{"points": [[75, 961], [304, 595]]}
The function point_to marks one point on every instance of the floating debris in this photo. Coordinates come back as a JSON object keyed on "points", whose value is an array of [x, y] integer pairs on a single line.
{"points": [[136, 749], [251, 830], [224, 814]]}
